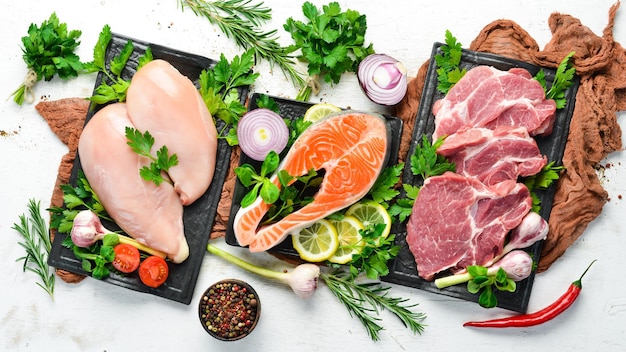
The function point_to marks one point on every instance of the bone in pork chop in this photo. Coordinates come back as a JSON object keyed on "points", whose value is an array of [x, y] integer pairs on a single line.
{"points": [[458, 221], [488, 97], [493, 156], [151, 214]]}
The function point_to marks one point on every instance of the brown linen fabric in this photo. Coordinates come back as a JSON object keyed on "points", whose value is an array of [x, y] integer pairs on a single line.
{"points": [[594, 132]]}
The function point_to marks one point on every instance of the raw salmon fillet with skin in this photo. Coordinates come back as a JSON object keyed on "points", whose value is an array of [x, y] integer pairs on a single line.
{"points": [[151, 214], [352, 149], [167, 104]]}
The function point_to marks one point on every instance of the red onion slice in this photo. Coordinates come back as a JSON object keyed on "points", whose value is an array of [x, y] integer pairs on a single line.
{"points": [[261, 130], [383, 79]]}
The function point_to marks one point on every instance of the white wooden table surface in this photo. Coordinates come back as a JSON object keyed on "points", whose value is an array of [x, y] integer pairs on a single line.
{"points": [[94, 316]]}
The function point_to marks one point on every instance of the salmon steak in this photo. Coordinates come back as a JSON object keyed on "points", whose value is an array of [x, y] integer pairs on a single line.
{"points": [[351, 147]]}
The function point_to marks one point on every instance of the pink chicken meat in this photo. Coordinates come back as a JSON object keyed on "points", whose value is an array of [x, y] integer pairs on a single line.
{"points": [[151, 214], [167, 104]]}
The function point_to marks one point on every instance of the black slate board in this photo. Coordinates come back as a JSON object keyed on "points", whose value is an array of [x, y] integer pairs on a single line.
{"points": [[403, 268], [197, 217], [292, 109]]}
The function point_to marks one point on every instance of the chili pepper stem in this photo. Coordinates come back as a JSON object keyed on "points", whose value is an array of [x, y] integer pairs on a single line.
{"points": [[579, 282]]}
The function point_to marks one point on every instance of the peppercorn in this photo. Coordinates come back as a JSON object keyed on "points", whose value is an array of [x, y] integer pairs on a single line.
{"points": [[229, 309]]}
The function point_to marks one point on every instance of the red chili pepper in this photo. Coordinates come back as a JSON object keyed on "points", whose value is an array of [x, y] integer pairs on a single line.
{"points": [[539, 317]]}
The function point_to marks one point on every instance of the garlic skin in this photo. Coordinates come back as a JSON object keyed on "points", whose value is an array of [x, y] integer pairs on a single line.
{"points": [[533, 228], [303, 280], [87, 229], [517, 264]]}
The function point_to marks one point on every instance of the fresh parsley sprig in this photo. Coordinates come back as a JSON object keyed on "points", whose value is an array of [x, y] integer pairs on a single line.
{"points": [[331, 42], [448, 63], [219, 90], [76, 198], [113, 87], [425, 161], [383, 191], [375, 254], [563, 79], [141, 143], [48, 51], [365, 300], [542, 180], [240, 20], [36, 243]]}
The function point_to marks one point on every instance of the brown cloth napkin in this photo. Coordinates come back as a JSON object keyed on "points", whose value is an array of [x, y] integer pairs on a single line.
{"points": [[594, 132]]}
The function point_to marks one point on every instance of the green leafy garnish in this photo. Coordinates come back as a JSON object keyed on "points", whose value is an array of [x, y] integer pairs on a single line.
{"points": [[266, 102], [484, 283], [331, 42], [113, 86], [373, 258], [403, 207], [36, 243], [48, 51], [448, 64], [295, 192], [162, 162], [260, 183], [425, 161], [95, 258], [365, 300], [383, 191], [542, 180], [218, 88], [76, 198], [563, 79], [240, 21]]}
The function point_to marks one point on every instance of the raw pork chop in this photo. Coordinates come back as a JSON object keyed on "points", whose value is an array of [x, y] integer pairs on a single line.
{"points": [[458, 221], [151, 214], [167, 104], [493, 156], [488, 97]]}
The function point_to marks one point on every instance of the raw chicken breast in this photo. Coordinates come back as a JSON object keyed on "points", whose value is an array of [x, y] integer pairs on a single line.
{"points": [[151, 214], [167, 104]]}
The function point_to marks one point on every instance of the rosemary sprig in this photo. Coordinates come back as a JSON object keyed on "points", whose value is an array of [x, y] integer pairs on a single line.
{"points": [[37, 244], [366, 299], [240, 20]]}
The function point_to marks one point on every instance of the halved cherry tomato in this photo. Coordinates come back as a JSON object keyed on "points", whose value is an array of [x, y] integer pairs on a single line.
{"points": [[126, 258], [153, 271]]}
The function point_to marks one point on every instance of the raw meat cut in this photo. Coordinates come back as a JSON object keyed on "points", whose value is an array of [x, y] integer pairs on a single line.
{"points": [[350, 147], [151, 214], [458, 221], [493, 156], [167, 104], [488, 97]]}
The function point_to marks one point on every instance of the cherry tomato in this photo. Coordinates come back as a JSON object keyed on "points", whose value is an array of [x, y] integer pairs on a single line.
{"points": [[126, 258], [153, 271]]}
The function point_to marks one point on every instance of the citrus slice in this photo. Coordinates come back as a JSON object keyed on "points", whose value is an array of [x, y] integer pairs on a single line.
{"points": [[317, 242], [350, 240], [370, 213], [319, 111]]}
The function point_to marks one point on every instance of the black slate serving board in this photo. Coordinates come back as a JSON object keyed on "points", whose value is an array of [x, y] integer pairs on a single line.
{"points": [[403, 268], [197, 217]]}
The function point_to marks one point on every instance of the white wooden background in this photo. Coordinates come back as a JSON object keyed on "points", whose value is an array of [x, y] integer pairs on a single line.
{"points": [[94, 316]]}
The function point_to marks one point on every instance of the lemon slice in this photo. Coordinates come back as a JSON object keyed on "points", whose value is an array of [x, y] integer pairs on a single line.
{"points": [[319, 111], [370, 213], [317, 242], [350, 240]]}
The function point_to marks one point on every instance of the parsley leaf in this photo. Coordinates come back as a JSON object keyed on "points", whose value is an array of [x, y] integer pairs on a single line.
{"points": [[425, 161], [48, 50], [563, 79], [142, 145], [403, 207], [373, 258], [383, 189], [542, 180], [218, 88], [448, 69], [331, 42]]}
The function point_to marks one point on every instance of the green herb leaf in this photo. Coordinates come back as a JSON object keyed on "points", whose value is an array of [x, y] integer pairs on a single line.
{"points": [[141, 143], [563, 79], [448, 64], [383, 189], [425, 161]]}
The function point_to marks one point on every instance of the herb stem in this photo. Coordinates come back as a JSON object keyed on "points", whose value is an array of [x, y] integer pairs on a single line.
{"points": [[240, 21]]}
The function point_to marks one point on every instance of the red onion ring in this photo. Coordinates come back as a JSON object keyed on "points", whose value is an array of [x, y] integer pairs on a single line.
{"points": [[383, 79], [261, 130]]}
